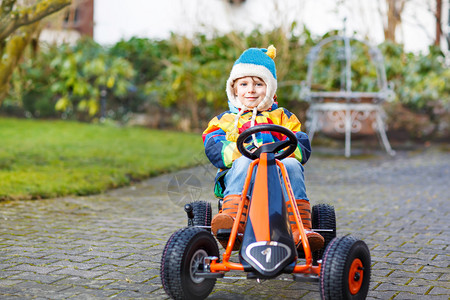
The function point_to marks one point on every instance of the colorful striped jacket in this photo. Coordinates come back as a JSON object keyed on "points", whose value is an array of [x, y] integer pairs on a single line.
{"points": [[222, 152]]}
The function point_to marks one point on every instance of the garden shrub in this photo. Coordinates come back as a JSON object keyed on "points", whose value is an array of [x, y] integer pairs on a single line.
{"points": [[180, 82]]}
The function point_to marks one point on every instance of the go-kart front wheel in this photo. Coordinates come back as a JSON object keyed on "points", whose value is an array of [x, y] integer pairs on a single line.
{"points": [[345, 271], [181, 258]]}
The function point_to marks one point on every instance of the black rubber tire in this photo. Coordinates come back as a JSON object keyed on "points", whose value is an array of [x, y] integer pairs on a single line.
{"points": [[336, 263], [183, 251], [323, 217], [202, 214]]}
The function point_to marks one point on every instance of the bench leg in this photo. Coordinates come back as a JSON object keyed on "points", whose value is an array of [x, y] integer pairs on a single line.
{"points": [[348, 132], [382, 135], [314, 122]]}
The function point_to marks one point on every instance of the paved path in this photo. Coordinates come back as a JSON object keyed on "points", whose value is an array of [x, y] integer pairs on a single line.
{"points": [[110, 245]]}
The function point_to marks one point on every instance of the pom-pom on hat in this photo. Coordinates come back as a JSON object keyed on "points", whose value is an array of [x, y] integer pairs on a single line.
{"points": [[255, 62]]}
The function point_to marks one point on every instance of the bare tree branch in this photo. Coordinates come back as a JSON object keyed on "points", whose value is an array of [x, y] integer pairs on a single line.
{"points": [[27, 15]]}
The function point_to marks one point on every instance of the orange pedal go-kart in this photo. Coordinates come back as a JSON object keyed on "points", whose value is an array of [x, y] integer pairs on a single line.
{"points": [[191, 263]]}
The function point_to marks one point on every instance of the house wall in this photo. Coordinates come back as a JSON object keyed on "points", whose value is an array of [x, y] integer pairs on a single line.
{"points": [[68, 25], [83, 22]]}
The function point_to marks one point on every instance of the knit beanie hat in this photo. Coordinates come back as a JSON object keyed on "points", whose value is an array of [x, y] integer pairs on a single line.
{"points": [[255, 62]]}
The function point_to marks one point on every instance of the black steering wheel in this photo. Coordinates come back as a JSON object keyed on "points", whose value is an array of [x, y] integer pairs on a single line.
{"points": [[291, 142]]}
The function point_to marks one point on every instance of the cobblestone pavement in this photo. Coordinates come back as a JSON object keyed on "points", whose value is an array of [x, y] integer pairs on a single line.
{"points": [[110, 245]]}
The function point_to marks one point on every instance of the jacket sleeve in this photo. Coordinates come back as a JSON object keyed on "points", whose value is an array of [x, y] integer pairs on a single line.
{"points": [[303, 151], [220, 152]]}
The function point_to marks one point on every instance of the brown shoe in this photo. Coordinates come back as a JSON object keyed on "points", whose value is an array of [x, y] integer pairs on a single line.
{"points": [[225, 219], [316, 241]]}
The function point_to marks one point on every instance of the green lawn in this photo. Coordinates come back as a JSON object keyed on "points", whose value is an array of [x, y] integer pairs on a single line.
{"points": [[42, 159]]}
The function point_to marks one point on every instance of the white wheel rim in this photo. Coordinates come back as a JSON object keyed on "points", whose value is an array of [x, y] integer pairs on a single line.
{"points": [[196, 260]]}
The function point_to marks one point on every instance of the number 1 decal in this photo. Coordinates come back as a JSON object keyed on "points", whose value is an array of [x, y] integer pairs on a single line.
{"points": [[267, 253]]}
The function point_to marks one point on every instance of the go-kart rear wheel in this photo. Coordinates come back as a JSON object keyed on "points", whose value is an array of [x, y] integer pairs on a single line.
{"points": [[345, 271], [323, 217], [181, 258], [202, 214]]}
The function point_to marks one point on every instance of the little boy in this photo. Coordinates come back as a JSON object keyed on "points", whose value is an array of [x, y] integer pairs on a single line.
{"points": [[251, 95]]}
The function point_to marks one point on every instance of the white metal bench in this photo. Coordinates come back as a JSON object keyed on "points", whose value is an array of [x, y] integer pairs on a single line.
{"points": [[345, 111]]}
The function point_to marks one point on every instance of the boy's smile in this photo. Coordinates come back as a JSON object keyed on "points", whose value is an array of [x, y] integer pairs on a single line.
{"points": [[250, 90]]}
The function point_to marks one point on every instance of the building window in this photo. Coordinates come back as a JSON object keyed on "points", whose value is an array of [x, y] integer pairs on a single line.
{"points": [[72, 17]]}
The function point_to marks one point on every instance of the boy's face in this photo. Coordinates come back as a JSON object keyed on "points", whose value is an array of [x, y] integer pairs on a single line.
{"points": [[250, 90]]}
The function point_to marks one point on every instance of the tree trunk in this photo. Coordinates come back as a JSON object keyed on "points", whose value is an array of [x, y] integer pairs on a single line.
{"points": [[395, 9], [13, 50], [437, 40], [193, 107]]}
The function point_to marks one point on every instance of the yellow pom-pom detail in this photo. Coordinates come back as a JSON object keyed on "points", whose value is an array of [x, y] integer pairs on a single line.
{"points": [[271, 52], [233, 135]]}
